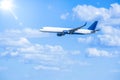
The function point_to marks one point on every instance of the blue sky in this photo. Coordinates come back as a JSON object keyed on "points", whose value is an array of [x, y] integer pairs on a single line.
{"points": [[28, 54]]}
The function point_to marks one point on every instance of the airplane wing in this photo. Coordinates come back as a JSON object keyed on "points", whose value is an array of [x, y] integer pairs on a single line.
{"points": [[74, 29]]}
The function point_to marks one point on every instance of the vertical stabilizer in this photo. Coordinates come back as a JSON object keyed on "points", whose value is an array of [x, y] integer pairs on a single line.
{"points": [[93, 26]]}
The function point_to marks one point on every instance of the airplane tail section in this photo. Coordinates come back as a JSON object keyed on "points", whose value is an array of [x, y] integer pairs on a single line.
{"points": [[93, 26]]}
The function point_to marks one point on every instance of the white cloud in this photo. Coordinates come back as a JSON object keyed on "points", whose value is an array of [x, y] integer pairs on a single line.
{"points": [[41, 54], [26, 32], [15, 42], [115, 10], [89, 12], [44, 53], [19, 45], [64, 16], [41, 67], [110, 40], [110, 36], [11, 45], [96, 52], [85, 40]]}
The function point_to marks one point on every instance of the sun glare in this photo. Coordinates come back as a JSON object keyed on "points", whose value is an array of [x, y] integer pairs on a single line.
{"points": [[6, 4]]}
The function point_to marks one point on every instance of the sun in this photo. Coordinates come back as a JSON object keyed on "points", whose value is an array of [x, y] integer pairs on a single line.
{"points": [[6, 4]]}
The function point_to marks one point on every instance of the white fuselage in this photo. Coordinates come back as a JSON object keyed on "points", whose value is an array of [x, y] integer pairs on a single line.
{"points": [[59, 30]]}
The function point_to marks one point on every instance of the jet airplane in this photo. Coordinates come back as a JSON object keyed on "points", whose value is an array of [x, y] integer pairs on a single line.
{"points": [[78, 30]]}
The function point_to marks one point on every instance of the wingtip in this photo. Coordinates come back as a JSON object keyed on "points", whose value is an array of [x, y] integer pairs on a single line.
{"points": [[85, 24]]}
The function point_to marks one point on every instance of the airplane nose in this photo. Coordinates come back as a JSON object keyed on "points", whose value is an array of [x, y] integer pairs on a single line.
{"points": [[41, 29]]}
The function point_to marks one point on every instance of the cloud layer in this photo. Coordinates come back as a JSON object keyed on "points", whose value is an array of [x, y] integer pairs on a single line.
{"points": [[52, 57], [89, 12], [96, 52], [109, 23]]}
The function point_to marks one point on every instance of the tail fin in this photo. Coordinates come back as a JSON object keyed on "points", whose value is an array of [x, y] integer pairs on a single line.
{"points": [[93, 26]]}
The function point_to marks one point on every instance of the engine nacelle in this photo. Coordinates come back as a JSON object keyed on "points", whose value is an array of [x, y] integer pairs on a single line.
{"points": [[63, 33], [60, 34]]}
